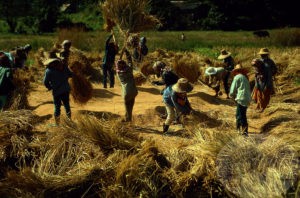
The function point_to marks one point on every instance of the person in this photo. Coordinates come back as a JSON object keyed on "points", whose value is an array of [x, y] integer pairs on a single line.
{"points": [[65, 52], [216, 75], [6, 79], [270, 67], [176, 101], [111, 50], [56, 79], [240, 92], [140, 50], [166, 73], [183, 37], [261, 92], [228, 66], [129, 90], [18, 56]]}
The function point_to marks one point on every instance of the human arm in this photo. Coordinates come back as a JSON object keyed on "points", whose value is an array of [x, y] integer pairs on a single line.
{"points": [[46, 80], [233, 88]]}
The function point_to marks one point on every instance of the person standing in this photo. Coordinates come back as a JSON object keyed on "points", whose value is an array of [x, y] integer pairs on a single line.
{"points": [[140, 50], [270, 68], [129, 90], [65, 52], [240, 92], [111, 50], [261, 94], [176, 101], [6, 79], [228, 66], [56, 79]]}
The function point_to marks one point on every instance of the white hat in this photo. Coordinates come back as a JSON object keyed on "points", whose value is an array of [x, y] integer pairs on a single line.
{"points": [[210, 71], [50, 60]]}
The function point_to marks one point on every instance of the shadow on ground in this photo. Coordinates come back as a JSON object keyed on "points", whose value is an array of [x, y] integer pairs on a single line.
{"points": [[100, 114], [103, 93]]}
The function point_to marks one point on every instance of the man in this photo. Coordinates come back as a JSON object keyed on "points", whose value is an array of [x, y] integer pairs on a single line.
{"points": [[140, 50], [111, 50], [65, 52], [56, 79], [240, 92], [228, 66], [216, 76], [270, 67]]}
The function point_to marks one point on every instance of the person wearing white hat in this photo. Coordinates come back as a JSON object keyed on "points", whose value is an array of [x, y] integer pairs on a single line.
{"points": [[270, 67], [241, 93], [56, 79], [176, 100], [216, 76]]}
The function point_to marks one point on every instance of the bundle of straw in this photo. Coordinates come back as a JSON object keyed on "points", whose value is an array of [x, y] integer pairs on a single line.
{"points": [[187, 66], [81, 89], [128, 15], [146, 68], [139, 78]]}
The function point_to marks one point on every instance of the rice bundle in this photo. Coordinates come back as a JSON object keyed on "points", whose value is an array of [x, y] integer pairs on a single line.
{"points": [[139, 78], [187, 66], [18, 99], [128, 15], [146, 68], [81, 89]]}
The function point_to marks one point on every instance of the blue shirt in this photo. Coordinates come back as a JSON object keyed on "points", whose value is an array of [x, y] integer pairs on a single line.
{"points": [[170, 98]]}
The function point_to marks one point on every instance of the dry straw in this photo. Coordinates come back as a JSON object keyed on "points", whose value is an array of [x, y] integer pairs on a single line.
{"points": [[128, 15], [81, 89]]}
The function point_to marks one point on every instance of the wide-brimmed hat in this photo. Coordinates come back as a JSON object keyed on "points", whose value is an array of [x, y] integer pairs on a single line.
{"points": [[210, 71], [50, 61], [224, 54], [264, 51], [239, 69], [66, 43], [182, 86]]}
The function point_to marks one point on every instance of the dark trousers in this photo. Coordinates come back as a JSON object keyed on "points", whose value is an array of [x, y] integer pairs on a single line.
{"points": [[58, 100], [225, 82], [108, 71], [129, 107], [241, 117]]}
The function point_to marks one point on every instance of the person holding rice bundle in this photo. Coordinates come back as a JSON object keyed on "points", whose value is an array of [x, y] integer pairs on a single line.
{"points": [[6, 77], [228, 66], [240, 92], [175, 99], [129, 90], [56, 79], [111, 50], [261, 93]]}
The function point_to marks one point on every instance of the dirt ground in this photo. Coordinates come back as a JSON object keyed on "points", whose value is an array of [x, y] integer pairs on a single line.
{"points": [[147, 108]]}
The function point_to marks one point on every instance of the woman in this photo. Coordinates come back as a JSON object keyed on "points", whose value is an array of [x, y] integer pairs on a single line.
{"points": [[175, 99], [261, 93], [56, 79], [240, 91], [129, 90]]}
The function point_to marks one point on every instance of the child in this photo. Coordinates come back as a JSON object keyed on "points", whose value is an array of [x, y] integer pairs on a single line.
{"points": [[175, 99], [240, 91], [56, 79]]}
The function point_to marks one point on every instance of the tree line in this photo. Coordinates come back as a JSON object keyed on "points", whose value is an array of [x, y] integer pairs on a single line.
{"points": [[37, 16]]}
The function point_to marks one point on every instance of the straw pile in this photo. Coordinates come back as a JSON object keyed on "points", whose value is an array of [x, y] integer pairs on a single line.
{"points": [[19, 97], [187, 66], [128, 15], [139, 78], [81, 89], [146, 68]]}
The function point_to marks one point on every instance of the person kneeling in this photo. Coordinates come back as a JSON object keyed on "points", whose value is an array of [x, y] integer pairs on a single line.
{"points": [[175, 99]]}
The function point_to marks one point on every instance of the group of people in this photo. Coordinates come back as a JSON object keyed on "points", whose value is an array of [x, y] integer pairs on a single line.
{"points": [[265, 70], [174, 93], [9, 62]]}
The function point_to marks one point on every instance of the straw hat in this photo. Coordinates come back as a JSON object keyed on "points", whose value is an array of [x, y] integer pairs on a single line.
{"points": [[224, 54], [182, 86], [50, 61], [66, 43], [239, 69], [264, 51], [210, 71]]}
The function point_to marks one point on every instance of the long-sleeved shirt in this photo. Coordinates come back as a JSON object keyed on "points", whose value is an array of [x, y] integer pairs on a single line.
{"points": [[240, 90], [170, 98], [57, 81], [110, 53], [271, 70], [168, 77]]}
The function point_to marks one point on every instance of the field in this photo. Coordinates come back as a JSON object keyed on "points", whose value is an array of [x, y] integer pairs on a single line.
{"points": [[96, 155]]}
